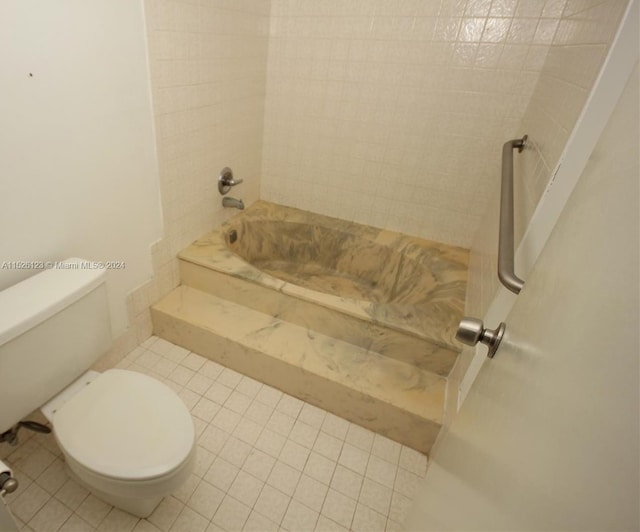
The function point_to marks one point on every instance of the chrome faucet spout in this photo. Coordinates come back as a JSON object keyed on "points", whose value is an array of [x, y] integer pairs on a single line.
{"points": [[232, 202]]}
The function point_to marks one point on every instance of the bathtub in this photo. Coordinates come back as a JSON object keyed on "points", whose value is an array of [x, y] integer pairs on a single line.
{"points": [[401, 296]]}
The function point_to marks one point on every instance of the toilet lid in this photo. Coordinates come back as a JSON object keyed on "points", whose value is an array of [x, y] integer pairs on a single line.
{"points": [[126, 425]]}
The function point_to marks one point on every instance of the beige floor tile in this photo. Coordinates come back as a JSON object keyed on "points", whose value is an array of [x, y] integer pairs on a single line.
{"points": [[299, 518], [76, 524], [265, 461], [367, 520], [259, 523], [50, 517], [189, 520], [118, 521], [339, 508], [166, 513], [205, 499], [272, 503], [231, 514], [375, 496], [320, 468], [246, 488], [310, 492], [93, 510]]}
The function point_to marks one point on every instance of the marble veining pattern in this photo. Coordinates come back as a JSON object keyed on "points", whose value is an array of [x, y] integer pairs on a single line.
{"points": [[390, 397], [367, 335], [356, 320], [405, 283], [395, 382]]}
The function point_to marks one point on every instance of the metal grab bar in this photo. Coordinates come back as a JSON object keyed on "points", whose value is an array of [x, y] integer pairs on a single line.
{"points": [[506, 264]]}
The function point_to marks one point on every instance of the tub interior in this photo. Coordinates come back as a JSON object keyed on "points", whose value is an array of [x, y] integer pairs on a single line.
{"points": [[334, 262], [409, 284]]}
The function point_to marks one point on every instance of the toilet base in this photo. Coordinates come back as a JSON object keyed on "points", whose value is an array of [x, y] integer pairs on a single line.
{"points": [[136, 506]]}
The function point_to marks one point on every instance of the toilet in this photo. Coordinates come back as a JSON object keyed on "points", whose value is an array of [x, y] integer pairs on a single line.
{"points": [[127, 437]]}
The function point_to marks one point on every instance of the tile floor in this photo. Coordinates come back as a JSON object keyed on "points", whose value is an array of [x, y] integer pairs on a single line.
{"points": [[265, 461]]}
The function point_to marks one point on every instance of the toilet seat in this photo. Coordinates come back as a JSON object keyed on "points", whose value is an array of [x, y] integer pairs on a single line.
{"points": [[126, 426]]}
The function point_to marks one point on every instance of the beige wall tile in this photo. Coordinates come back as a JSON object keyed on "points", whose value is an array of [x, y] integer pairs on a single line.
{"points": [[386, 113], [584, 33], [208, 74], [393, 113]]}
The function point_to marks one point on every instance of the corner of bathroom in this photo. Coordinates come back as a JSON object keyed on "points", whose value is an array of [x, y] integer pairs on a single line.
{"points": [[278, 212]]}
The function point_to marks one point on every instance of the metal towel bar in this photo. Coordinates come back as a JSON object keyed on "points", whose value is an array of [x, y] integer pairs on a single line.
{"points": [[506, 265]]}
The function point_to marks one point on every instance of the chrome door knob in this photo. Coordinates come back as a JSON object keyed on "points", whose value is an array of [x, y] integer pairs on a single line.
{"points": [[472, 330]]}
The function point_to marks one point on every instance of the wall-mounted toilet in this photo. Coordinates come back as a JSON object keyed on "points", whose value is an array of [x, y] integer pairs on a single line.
{"points": [[124, 435]]}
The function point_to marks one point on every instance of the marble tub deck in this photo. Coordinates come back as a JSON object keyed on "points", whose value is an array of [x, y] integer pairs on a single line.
{"points": [[381, 364], [415, 286]]}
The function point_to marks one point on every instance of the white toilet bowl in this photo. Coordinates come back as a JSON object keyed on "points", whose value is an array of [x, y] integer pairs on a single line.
{"points": [[126, 436]]}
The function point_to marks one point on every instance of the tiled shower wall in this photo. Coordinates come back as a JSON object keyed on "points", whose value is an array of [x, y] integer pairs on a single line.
{"points": [[386, 112], [208, 73], [575, 58], [393, 113], [580, 44]]}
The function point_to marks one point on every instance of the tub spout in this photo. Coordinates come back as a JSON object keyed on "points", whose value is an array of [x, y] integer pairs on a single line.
{"points": [[232, 202]]}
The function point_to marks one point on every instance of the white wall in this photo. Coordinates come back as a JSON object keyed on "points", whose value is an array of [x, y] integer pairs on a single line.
{"points": [[78, 172]]}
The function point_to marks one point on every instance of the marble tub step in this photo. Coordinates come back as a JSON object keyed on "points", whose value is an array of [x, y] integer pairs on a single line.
{"points": [[424, 354], [390, 397]]}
